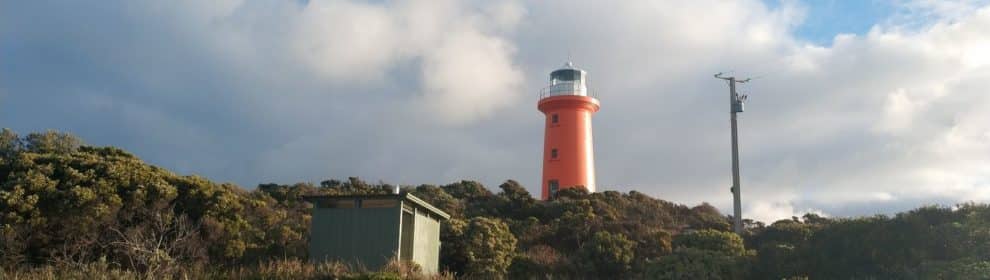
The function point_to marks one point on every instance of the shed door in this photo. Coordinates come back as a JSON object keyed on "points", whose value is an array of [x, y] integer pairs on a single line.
{"points": [[406, 240]]}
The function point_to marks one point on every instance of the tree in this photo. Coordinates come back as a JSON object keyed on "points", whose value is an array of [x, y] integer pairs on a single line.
{"points": [[479, 248], [964, 268], [353, 186], [515, 201], [440, 198], [692, 263], [10, 144], [68, 204], [469, 190], [52, 142], [537, 262], [704, 254], [727, 243], [778, 261], [73, 197], [780, 248], [160, 244], [706, 216], [607, 255]]}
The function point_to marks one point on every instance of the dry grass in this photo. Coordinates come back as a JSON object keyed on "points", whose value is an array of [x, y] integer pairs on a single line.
{"points": [[280, 269]]}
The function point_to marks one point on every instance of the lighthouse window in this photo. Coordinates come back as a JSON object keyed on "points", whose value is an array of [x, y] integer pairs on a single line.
{"points": [[553, 153], [553, 118], [566, 75]]}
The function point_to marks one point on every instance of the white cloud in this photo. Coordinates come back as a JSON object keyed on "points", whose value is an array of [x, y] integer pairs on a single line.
{"points": [[347, 40], [899, 110], [913, 13], [917, 88], [467, 77], [769, 212], [466, 69], [430, 92]]}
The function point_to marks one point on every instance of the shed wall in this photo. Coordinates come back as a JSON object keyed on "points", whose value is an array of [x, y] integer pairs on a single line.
{"points": [[427, 242], [366, 236]]}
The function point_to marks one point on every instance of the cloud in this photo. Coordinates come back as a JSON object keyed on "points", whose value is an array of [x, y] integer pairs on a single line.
{"points": [[907, 103], [437, 91], [914, 13], [467, 77], [346, 40], [772, 211], [466, 70]]}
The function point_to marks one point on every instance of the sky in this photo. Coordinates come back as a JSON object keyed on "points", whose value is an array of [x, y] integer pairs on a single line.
{"points": [[858, 107], [826, 18]]}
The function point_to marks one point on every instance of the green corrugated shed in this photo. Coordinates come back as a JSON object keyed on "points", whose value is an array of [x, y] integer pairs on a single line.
{"points": [[370, 230]]}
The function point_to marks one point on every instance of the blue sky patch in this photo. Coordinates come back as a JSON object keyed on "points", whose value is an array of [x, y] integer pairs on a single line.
{"points": [[826, 18]]}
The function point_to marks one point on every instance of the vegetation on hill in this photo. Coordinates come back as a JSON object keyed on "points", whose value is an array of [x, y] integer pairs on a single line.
{"points": [[70, 208]]}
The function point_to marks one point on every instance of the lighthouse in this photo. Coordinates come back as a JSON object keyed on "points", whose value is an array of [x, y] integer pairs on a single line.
{"points": [[568, 155]]}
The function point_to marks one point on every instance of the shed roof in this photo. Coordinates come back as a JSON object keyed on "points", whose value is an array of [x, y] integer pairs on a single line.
{"points": [[404, 197]]}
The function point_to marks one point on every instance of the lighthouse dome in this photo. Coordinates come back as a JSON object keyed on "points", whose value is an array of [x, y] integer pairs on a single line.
{"points": [[567, 80]]}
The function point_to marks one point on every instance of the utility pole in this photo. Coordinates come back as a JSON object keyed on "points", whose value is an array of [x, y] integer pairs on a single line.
{"points": [[736, 103]]}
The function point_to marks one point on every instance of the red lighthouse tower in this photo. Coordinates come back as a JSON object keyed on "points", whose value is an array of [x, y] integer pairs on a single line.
{"points": [[568, 156]]}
